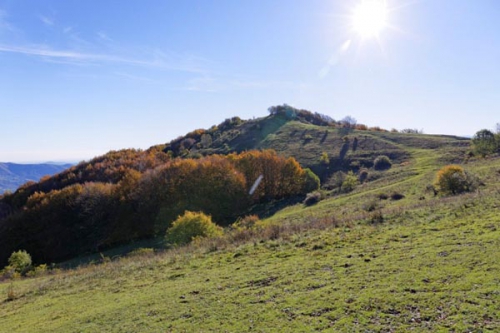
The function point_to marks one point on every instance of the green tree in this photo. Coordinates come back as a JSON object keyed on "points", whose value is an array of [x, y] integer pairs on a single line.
{"points": [[484, 142]]}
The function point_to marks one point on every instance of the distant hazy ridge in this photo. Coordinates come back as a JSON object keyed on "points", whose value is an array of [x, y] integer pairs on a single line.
{"points": [[13, 175]]}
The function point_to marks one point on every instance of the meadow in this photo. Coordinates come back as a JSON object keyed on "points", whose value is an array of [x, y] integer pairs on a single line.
{"points": [[354, 262]]}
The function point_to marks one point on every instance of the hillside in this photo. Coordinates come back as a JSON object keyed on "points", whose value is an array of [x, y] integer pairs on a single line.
{"points": [[132, 195], [357, 261], [13, 175]]}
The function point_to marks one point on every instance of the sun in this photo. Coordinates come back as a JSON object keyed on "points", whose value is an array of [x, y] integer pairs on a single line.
{"points": [[370, 18]]}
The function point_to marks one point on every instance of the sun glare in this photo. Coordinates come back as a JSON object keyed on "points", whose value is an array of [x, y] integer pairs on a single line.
{"points": [[370, 18]]}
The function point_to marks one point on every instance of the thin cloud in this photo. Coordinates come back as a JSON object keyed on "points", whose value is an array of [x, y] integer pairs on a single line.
{"points": [[104, 36], [4, 24], [178, 63], [46, 20], [213, 84]]}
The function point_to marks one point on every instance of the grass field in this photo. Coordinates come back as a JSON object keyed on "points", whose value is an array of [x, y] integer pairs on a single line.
{"points": [[419, 264]]}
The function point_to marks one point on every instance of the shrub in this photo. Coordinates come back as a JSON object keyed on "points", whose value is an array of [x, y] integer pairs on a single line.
{"points": [[363, 175], [371, 205], [377, 217], [335, 181], [142, 251], [452, 179], [324, 159], [192, 225], [20, 261], [245, 223], [382, 163], [312, 198], [397, 196], [383, 196], [38, 271], [350, 182], [311, 182]]}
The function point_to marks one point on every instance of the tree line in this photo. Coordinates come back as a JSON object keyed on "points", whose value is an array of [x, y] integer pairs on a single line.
{"points": [[58, 222]]}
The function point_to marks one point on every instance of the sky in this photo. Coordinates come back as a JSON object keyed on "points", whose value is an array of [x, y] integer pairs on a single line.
{"points": [[80, 78]]}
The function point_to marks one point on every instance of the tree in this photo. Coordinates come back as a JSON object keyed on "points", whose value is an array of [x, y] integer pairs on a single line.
{"points": [[348, 124], [484, 142], [348, 121], [412, 131]]}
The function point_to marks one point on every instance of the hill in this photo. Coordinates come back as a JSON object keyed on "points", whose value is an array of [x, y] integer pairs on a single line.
{"points": [[13, 175], [132, 195], [366, 260]]}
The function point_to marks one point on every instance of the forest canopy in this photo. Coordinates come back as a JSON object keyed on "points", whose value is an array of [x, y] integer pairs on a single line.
{"points": [[132, 195]]}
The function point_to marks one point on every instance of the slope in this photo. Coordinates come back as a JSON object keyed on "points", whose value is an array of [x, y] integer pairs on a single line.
{"points": [[114, 199], [431, 264]]}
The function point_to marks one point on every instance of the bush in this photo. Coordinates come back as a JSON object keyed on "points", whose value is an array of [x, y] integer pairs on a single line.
{"points": [[142, 251], [397, 196], [371, 205], [38, 271], [312, 198], [377, 217], [20, 261], [453, 179], [363, 175], [382, 196], [350, 182], [312, 182], [192, 225], [324, 159], [382, 163], [245, 223], [335, 181]]}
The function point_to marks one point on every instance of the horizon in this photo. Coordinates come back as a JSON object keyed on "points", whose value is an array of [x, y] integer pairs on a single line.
{"points": [[83, 78]]}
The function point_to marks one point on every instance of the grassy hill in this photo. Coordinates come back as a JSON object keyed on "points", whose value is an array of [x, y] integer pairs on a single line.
{"points": [[389, 256], [112, 199]]}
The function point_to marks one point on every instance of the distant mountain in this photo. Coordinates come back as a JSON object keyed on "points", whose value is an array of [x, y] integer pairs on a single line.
{"points": [[13, 175]]}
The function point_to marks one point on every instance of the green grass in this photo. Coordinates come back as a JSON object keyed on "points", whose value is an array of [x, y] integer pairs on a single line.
{"points": [[428, 269], [432, 265]]}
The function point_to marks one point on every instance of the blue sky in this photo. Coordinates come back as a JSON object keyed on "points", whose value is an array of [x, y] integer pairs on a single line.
{"points": [[80, 78]]}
